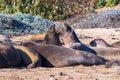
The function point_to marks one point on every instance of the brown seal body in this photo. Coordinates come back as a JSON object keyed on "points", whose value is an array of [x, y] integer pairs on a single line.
{"points": [[70, 39], [107, 52], [29, 58], [51, 36], [59, 56], [9, 57], [68, 36], [116, 44]]}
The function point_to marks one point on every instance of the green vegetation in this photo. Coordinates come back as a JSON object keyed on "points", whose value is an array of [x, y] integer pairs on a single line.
{"points": [[108, 3], [49, 9], [111, 2], [53, 9], [18, 24]]}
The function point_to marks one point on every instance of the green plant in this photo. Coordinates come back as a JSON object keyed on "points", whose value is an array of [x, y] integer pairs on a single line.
{"points": [[49, 9], [111, 2], [99, 3]]}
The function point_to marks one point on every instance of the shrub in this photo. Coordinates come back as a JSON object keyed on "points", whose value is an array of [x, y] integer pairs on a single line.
{"points": [[100, 3], [112, 2], [107, 19], [22, 24], [108, 3], [49, 9]]}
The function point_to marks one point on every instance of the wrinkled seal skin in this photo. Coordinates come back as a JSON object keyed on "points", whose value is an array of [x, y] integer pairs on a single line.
{"points": [[70, 39], [29, 58], [59, 56], [9, 57]]}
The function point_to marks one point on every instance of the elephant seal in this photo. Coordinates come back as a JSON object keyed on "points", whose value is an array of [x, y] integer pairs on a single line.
{"points": [[68, 35], [51, 36], [70, 39], [29, 58], [102, 43], [9, 57], [60, 57], [99, 43], [105, 52]]}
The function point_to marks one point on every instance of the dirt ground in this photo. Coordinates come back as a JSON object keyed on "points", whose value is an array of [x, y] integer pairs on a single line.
{"points": [[79, 72]]}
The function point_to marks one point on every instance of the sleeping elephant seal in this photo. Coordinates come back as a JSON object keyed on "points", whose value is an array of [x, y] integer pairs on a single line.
{"points": [[69, 38], [59, 56], [99, 43], [9, 57], [102, 43], [29, 58], [105, 52]]}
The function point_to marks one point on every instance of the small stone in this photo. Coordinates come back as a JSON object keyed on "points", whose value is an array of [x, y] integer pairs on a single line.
{"points": [[61, 74]]}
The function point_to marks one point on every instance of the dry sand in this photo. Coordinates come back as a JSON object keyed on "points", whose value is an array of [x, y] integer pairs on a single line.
{"points": [[79, 72]]}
